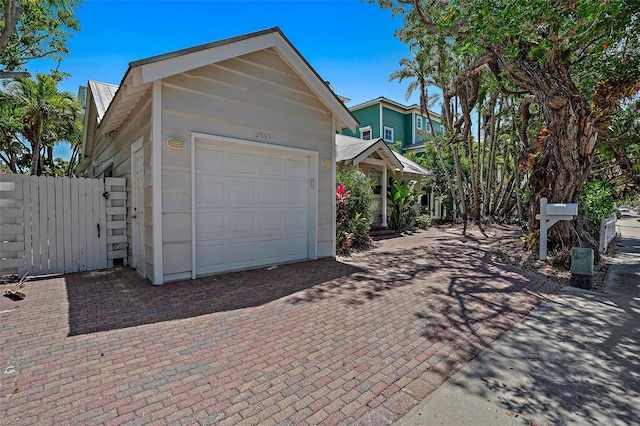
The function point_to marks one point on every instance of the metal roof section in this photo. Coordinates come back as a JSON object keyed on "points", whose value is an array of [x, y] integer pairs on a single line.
{"points": [[141, 74], [406, 108], [353, 149], [409, 166], [356, 150], [102, 94]]}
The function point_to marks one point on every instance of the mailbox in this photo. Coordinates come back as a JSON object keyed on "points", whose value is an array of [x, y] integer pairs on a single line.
{"points": [[562, 209]]}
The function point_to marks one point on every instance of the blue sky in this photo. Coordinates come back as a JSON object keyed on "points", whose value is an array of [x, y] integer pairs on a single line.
{"points": [[350, 43]]}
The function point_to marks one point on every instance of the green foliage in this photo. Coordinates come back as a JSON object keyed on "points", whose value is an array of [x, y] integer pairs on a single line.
{"points": [[423, 221], [596, 202], [36, 29], [354, 210], [41, 117], [403, 200]]}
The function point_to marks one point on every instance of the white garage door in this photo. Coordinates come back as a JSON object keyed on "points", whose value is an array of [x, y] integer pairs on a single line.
{"points": [[251, 206]]}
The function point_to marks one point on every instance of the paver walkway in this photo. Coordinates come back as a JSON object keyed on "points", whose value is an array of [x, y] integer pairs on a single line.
{"points": [[358, 340]]}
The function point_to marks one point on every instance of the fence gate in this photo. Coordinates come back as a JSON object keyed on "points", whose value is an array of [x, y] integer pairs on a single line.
{"points": [[52, 225]]}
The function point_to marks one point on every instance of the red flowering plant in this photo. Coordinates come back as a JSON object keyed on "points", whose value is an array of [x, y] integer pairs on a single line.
{"points": [[354, 211], [343, 238]]}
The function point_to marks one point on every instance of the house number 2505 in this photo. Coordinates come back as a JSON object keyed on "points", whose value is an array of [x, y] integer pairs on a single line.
{"points": [[263, 135]]}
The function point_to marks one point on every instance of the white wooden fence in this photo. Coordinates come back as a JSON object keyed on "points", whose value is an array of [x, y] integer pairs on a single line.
{"points": [[59, 225], [607, 232]]}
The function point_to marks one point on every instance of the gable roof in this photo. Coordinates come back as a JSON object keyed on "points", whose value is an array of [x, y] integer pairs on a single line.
{"points": [[142, 73], [353, 149], [102, 94], [404, 108]]}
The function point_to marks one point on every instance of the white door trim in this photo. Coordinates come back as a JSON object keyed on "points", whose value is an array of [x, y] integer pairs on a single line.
{"points": [[312, 187]]}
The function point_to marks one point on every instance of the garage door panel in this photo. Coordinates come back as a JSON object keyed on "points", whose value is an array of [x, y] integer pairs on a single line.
{"points": [[242, 192], [241, 224], [244, 163], [210, 257], [295, 245], [297, 168], [296, 220], [211, 224], [272, 166], [210, 160], [271, 193], [270, 221], [253, 213], [270, 250]]}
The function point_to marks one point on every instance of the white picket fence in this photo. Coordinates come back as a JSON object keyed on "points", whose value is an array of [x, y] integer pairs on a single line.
{"points": [[607, 232], [60, 225]]}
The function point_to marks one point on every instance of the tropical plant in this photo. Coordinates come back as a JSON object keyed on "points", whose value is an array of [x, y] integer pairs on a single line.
{"points": [[400, 195], [354, 210], [44, 116], [596, 202]]}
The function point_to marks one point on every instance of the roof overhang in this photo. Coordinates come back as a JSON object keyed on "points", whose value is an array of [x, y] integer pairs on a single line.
{"points": [[141, 74]]}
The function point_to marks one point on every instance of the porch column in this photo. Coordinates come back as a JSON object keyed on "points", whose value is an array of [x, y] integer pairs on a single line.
{"points": [[384, 196]]}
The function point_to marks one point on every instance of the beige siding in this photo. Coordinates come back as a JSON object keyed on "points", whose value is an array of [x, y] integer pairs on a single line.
{"points": [[117, 147], [238, 98]]}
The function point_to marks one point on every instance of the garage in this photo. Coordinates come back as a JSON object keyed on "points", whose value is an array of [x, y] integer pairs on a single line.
{"points": [[252, 204]]}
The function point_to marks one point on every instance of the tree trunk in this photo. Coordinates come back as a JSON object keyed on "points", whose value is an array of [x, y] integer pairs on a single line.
{"points": [[567, 144]]}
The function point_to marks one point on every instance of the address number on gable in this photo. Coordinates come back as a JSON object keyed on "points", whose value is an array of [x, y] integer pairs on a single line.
{"points": [[263, 135]]}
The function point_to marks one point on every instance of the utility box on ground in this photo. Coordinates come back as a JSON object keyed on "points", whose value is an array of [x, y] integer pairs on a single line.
{"points": [[581, 268]]}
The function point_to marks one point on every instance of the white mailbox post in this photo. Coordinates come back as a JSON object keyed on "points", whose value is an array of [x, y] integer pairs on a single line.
{"points": [[549, 215]]}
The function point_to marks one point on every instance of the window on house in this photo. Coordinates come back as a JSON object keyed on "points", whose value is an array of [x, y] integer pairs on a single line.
{"points": [[427, 126], [388, 134], [419, 123], [365, 133]]}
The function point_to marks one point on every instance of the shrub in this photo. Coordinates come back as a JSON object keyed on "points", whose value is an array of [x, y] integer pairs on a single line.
{"points": [[596, 202], [404, 203], [354, 212], [423, 221]]}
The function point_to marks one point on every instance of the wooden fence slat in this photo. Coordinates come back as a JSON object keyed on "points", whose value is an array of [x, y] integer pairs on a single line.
{"points": [[26, 218], [35, 225], [91, 229], [117, 239], [12, 212], [51, 266], [60, 210], [82, 226], [118, 196], [7, 246], [11, 228], [112, 211], [50, 224], [67, 225], [16, 262], [102, 213]]}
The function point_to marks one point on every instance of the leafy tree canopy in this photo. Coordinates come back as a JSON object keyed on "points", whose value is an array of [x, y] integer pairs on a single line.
{"points": [[35, 29]]}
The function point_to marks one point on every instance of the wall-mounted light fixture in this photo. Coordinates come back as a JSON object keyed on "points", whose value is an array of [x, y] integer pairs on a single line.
{"points": [[325, 163], [176, 142]]}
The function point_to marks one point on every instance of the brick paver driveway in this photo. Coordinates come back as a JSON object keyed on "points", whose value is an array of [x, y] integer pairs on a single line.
{"points": [[358, 340]]}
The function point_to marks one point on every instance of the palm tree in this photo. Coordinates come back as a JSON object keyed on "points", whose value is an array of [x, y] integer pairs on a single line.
{"points": [[12, 150], [47, 115]]}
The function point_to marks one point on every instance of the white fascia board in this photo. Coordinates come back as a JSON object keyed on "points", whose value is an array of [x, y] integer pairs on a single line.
{"points": [[390, 160], [315, 84], [168, 67]]}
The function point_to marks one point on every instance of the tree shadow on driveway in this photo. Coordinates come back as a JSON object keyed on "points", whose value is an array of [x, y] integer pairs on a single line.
{"points": [[120, 298]]}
